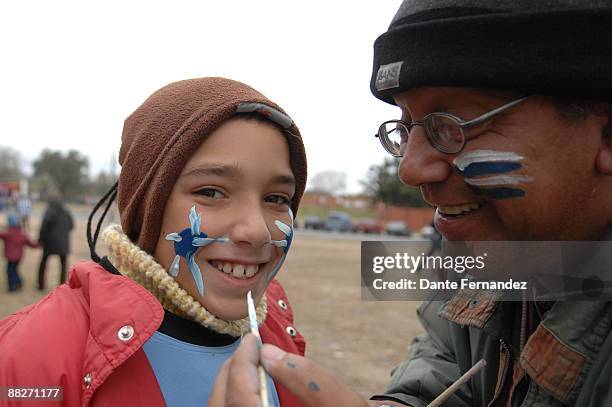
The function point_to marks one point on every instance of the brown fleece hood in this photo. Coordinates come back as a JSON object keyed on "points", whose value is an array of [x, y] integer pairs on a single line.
{"points": [[162, 134]]}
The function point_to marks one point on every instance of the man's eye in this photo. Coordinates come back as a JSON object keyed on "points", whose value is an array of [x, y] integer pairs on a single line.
{"points": [[210, 193], [278, 200]]}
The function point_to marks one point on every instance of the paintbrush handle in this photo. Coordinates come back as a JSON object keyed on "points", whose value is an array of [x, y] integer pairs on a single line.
{"points": [[263, 387], [455, 386], [263, 383]]}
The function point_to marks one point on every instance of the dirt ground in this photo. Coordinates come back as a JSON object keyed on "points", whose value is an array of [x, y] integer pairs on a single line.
{"points": [[358, 340]]}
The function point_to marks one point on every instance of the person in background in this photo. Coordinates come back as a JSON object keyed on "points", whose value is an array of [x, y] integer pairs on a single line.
{"points": [[14, 241], [24, 209], [54, 237]]}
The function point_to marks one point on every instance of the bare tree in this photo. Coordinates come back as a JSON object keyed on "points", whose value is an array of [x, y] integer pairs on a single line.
{"points": [[332, 182], [10, 164]]}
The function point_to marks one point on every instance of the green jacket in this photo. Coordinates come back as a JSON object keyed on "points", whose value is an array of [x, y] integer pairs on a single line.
{"points": [[568, 358]]}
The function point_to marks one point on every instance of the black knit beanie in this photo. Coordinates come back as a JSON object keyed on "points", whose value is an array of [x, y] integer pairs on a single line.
{"points": [[555, 47]]}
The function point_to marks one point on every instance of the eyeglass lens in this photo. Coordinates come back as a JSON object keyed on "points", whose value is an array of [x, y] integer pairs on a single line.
{"points": [[445, 133], [394, 136]]}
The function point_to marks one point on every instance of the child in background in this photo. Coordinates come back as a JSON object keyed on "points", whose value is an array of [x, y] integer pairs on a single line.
{"points": [[14, 241], [211, 175]]}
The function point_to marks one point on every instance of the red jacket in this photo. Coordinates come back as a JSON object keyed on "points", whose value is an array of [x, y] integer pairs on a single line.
{"points": [[14, 240], [70, 338]]}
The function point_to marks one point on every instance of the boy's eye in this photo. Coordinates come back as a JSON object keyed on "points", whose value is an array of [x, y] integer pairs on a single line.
{"points": [[210, 193], [278, 199]]}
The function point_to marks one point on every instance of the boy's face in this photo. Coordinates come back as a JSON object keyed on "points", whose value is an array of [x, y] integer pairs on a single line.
{"points": [[241, 182]]}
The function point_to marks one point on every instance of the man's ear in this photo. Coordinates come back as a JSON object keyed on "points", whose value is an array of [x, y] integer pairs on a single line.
{"points": [[603, 161]]}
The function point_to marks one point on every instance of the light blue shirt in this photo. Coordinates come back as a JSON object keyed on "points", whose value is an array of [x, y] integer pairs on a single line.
{"points": [[186, 372]]}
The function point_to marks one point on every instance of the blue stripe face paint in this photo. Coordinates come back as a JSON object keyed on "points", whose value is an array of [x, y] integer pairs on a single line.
{"points": [[499, 193], [186, 244], [486, 168], [285, 243], [489, 168]]}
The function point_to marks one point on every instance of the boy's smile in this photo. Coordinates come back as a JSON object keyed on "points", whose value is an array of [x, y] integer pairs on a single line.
{"points": [[241, 184]]}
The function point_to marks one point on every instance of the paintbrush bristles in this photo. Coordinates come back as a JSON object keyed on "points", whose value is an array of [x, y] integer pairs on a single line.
{"points": [[252, 315]]}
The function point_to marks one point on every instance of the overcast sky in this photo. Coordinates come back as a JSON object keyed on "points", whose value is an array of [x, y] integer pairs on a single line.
{"points": [[71, 71]]}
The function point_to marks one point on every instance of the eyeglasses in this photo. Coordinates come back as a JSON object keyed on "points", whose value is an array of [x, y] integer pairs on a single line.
{"points": [[446, 132]]}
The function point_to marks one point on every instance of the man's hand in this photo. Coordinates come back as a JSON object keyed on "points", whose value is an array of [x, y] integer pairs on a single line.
{"points": [[237, 384]]}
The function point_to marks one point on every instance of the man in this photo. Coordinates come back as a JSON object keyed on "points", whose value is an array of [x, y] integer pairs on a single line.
{"points": [[54, 237], [507, 129]]}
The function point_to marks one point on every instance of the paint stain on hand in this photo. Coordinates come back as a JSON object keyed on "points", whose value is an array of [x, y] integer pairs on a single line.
{"points": [[313, 386]]}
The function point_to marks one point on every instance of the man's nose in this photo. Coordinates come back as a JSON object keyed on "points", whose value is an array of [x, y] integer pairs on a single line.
{"points": [[250, 227], [421, 162]]}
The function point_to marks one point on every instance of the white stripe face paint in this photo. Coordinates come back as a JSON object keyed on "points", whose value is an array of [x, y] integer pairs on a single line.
{"points": [[490, 168], [498, 180], [481, 156]]}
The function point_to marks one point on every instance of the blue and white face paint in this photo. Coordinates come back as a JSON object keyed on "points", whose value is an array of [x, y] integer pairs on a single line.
{"points": [[284, 243], [189, 240], [491, 169], [186, 244]]}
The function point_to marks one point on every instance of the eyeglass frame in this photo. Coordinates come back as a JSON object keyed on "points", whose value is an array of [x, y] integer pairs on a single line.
{"points": [[463, 126]]}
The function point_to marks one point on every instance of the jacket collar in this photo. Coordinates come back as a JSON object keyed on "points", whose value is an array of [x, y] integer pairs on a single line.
{"points": [[123, 315]]}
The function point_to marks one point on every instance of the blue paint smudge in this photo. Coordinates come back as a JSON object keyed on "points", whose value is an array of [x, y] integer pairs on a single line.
{"points": [[490, 167]]}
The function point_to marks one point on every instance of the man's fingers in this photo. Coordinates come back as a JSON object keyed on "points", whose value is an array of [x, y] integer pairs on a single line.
{"points": [[217, 395], [237, 384], [313, 385]]}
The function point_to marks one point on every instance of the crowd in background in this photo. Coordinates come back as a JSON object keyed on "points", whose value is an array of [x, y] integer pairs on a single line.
{"points": [[53, 236]]}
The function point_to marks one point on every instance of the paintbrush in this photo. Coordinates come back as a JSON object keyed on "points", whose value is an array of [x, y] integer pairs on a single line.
{"points": [[263, 383], [455, 386]]}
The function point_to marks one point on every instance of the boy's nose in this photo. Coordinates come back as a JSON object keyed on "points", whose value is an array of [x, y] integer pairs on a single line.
{"points": [[422, 163], [250, 227]]}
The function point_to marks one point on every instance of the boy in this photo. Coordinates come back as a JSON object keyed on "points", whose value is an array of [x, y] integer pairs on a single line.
{"points": [[211, 174], [14, 241]]}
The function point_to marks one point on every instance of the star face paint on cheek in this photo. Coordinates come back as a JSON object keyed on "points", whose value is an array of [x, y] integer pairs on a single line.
{"points": [[186, 244], [482, 168]]}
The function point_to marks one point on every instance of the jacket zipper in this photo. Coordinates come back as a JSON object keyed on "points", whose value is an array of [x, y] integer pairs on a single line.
{"points": [[506, 348]]}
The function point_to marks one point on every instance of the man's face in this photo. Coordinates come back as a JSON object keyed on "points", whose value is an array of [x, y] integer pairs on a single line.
{"points": [[241, 182], [532, 176]]}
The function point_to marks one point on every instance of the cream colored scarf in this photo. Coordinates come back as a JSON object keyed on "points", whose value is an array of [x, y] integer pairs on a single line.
{"points": [[141, 267]]}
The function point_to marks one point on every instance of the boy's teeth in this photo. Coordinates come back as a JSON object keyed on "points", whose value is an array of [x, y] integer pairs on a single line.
{"points": [[458, 209], [251, 270], [237, 270]]}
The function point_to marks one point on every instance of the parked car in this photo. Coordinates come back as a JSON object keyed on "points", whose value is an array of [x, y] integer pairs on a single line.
{"points": [[398, 228], [338, 222], [314, 222], [368, 226]]}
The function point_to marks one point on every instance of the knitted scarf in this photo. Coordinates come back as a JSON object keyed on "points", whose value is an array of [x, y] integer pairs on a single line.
{"points": [[138, 265]]}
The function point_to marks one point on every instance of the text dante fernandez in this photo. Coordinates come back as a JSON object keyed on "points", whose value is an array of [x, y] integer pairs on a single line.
{"points": [[464, 283]]}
